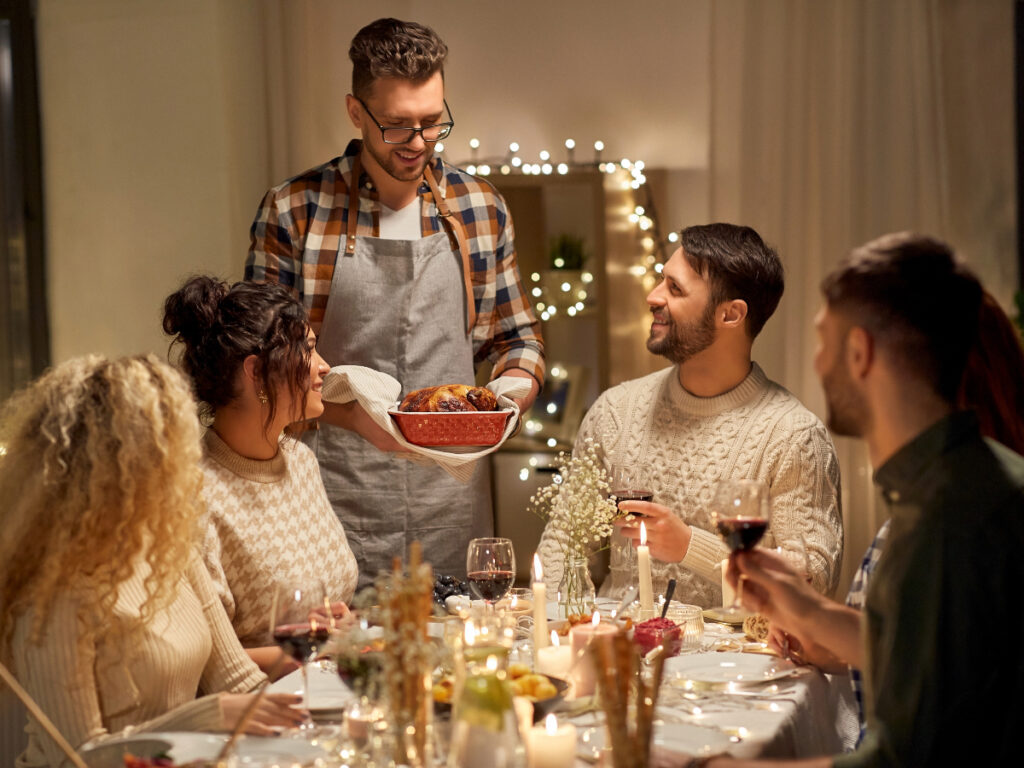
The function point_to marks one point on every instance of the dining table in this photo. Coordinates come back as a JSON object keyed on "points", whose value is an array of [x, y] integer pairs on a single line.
{"points": [[731, 696]]}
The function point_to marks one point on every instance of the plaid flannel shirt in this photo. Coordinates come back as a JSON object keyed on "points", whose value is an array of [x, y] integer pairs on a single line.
{"points": [[855, 599], [300, 227]]}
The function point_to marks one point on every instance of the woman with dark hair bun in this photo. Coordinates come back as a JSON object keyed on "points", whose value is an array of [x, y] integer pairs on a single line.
{"points": [[252, 358]]}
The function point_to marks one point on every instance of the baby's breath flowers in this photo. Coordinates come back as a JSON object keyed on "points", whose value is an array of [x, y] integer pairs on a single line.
{"points": [[576, 505]]}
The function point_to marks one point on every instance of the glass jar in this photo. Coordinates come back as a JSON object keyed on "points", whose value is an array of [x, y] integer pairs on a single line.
{"points": [[485, 730], [576, 593]]}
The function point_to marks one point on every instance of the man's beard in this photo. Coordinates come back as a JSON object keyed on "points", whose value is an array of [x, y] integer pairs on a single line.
{"points": [[387, 162], [847, 412], [682, 342]]}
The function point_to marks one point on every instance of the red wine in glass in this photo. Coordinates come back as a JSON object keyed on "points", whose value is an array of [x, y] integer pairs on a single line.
{"points": [[300, 641], [490, 585], [490, 568], [740, 512], [631, 494], [740, 533]]}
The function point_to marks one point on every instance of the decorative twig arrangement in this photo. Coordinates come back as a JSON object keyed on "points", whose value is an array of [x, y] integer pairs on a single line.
{"points": [[628, 696], [406, 599]]}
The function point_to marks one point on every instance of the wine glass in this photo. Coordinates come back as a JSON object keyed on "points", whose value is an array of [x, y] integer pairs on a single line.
{"points": [[629, 483], [300, 628], [490, 568], [740, 512]]}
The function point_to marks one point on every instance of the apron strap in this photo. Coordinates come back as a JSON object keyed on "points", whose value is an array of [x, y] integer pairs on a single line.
{"points": [[457, 231], [353, 207]]}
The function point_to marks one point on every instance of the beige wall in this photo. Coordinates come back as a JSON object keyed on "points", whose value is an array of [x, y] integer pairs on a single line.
{"points": [[154, 147]]}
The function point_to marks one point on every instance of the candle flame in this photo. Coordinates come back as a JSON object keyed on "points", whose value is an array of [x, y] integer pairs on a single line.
{"points": [[643, 534], [596, 619], [554, 638], [538, 574], [551, 723]]}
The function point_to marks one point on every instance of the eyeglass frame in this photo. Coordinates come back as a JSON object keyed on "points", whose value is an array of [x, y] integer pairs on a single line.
{"points": [[449, 123]]}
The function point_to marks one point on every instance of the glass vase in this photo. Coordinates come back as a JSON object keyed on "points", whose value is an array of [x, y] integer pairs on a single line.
{"points": [[576, 592]]}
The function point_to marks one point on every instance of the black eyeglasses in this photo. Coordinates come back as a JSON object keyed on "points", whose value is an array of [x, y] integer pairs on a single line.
{"points": [[430, 133]]}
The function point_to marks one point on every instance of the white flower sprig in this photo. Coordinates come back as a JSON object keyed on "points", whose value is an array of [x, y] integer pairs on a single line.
{"points": [[577, 503]]}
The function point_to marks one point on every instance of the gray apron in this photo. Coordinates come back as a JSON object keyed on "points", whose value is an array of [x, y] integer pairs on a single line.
{"points": [[397, 306]]}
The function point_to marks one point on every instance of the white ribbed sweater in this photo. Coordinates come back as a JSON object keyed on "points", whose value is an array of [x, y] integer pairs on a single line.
{"points": [[271, 525], [147, 681], [688, 444]]}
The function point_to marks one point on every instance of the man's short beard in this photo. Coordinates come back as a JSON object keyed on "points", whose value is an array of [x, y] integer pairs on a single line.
{"points": [[386, 162], [847, 412], [682, 342]]}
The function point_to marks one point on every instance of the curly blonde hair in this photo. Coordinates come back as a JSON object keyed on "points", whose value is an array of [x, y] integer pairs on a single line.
{"points": [[101, 468]]}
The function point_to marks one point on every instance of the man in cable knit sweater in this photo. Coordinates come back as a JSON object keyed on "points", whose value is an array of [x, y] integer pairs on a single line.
{"points": [[713, 416]]}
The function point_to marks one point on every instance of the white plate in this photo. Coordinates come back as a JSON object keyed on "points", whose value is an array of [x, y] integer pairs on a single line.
{"points": [[206, 746], [678, 737], [720, 668]]}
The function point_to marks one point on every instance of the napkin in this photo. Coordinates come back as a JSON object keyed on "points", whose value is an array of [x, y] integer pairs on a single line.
{"points": [[377, 392]]}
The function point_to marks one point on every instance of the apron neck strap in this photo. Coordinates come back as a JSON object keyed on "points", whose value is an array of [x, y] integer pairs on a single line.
{"points": [[451, 224], [456, 231]]}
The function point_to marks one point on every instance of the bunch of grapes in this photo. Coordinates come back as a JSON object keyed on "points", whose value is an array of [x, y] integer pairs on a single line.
{"points": [[446, 586]]}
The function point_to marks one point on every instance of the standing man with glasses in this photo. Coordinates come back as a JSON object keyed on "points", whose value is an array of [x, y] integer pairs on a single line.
{"points": [[407, 266]]}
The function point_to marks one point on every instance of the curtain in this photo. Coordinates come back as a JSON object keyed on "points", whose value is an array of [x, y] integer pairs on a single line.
{"points": [[835, 122]]}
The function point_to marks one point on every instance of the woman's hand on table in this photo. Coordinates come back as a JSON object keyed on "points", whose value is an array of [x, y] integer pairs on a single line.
{"points": [[668, 537], [273, 712]]}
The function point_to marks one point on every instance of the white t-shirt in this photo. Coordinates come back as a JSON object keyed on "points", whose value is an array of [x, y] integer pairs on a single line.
{"points": [[403, 224]]}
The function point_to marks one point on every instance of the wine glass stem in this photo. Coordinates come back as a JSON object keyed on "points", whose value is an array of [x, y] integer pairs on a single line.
{"points": [[305, 686]]}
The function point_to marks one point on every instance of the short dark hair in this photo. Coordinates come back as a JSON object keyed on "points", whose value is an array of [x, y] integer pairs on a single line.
{"points": [[392, 48], [220, 325], [737, 265], [919, 301]]}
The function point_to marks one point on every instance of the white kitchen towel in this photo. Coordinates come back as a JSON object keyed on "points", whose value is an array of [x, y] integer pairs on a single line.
{"points": [[377, 392]]}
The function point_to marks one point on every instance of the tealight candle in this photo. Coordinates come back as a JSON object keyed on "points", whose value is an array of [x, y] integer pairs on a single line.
{"points": [[552, 745], [553, 659], [540, 607], [583, 637], [643, 556]]}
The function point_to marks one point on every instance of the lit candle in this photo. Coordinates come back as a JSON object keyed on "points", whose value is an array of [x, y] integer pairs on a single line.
{"points": [[643, 556], [728, 593], [540, 606], [552, 745], [554, 659], [583, 637]]}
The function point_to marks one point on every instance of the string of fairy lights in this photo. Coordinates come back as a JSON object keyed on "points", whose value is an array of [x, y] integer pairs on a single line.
{"points": [[571, 294], [563, 291]]}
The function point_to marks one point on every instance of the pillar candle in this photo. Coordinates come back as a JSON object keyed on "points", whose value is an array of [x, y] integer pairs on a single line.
{"points": [[552, 745], [643, 556], [553, 659], [540, 607], [728, 593], [584, 637]]}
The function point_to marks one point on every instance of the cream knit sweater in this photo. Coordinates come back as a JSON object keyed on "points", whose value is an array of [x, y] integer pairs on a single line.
{"points": [[271, 526], [145, 682], [688, 444]]}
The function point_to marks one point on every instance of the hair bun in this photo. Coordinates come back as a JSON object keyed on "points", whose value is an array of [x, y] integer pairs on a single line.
{"points": [[191, 311]]}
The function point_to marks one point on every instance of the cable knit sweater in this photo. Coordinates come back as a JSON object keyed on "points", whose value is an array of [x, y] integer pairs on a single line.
{"points": [[271, 526], [688, 444], [143, 682]]}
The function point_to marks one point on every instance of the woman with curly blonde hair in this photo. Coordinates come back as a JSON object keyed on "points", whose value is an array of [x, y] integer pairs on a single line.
{"points": [[109, 620]]}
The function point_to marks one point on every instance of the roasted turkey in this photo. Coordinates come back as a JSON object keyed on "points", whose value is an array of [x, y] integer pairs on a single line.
{"points": [[449, 398]]}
